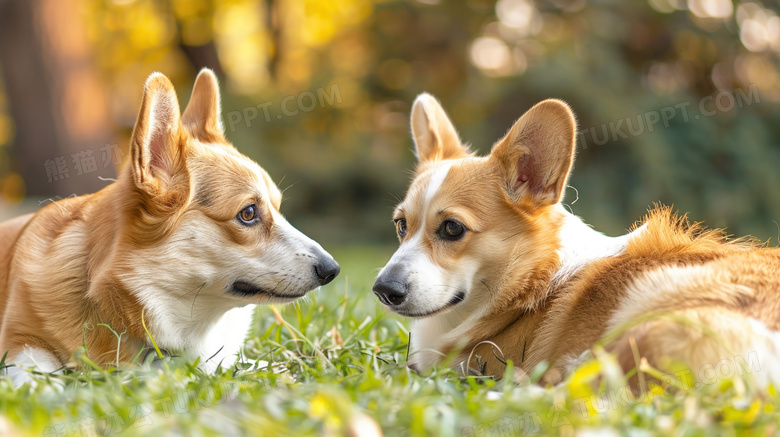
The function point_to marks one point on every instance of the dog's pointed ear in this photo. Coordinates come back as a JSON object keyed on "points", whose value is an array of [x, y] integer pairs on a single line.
{"points": [[156, 146], [434, 135], [203, 116], [537, 153]]}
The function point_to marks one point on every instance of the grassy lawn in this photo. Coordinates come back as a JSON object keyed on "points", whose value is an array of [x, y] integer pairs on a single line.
{"points": [[345, 374]]}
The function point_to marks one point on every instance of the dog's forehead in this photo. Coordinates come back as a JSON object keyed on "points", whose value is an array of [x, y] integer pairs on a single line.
{"points": [[223, 175], [440, 179]]}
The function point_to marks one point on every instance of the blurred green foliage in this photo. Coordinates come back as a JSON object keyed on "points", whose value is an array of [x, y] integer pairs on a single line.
{"points": [[345, 160]]}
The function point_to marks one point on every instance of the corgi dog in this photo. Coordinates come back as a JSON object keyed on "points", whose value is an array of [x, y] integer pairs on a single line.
{"points": [[184, 244], [490, 259]]}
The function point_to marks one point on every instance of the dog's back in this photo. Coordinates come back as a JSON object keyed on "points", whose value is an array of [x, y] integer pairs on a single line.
{"points": [[678, 292], [10, 231]]}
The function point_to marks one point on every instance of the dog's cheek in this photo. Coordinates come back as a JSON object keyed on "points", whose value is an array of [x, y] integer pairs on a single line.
{"points": [[429, 283], [465, 276]]}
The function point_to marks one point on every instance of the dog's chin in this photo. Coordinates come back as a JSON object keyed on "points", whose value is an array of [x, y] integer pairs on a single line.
{"points": [[245, 290], [411, 313]]}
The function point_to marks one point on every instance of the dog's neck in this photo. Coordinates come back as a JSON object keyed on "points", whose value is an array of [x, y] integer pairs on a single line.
{"points": [[174, 313], [580, 245], [76, 263], [114, 305]]}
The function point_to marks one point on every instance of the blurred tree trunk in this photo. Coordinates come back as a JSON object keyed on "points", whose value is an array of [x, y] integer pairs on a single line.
{"points": [[55, 96], [275, 31], [203, 56]]}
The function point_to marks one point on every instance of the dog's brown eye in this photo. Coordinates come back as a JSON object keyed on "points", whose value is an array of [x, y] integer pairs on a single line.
{"points": [[248, 215], [452, 230], [400, 226]]}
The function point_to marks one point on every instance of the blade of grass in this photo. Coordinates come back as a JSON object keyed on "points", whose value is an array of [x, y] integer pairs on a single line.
{"points": [[154, 343]]}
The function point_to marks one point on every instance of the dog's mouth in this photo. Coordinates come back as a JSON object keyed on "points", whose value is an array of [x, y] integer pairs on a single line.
{"points": [[245, 289], [458, 298]]}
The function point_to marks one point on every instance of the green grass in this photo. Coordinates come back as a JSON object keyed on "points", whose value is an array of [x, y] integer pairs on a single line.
{"points": [[345, 360]]}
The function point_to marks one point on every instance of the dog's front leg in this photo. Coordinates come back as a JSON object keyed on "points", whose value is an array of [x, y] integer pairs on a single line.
{"points": [[226, 338], [31, 358]]}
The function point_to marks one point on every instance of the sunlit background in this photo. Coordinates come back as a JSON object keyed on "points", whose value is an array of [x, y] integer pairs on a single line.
{"points": [[319, 93]]}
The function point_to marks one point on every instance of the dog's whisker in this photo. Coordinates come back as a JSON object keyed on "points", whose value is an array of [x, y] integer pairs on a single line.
{"points": [[194, 289], [277, 284], [192, 308]]}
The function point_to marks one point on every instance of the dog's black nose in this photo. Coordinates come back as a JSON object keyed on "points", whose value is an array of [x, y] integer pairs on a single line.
{"points": [[391, 293], [327, 269]]}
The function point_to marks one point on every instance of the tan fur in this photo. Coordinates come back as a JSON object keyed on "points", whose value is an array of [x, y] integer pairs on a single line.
{"points": [[531, 308], [85, 261]]}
